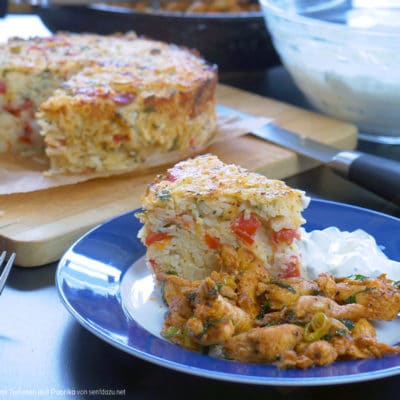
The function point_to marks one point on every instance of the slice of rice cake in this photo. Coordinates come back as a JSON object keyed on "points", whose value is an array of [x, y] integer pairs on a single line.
{"points": [[202, 205]]}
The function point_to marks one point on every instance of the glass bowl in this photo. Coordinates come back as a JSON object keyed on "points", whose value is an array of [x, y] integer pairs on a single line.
{"points": [[345, 58]]}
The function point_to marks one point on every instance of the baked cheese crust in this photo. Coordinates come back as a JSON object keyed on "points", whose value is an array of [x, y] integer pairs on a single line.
{"points": [[105, 103]]}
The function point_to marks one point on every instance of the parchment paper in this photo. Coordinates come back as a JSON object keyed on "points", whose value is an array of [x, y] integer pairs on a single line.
{"points": [[27, 173]]}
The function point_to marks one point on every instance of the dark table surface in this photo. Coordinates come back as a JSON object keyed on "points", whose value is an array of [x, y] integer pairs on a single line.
{"points": [[45, 353]]}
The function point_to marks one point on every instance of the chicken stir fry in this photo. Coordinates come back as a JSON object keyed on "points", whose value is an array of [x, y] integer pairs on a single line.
{"points": [[241, 313], [379, 296]]}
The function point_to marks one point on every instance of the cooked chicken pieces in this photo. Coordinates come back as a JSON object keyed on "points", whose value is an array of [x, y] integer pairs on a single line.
{"points": [[306, 307], [293, 322], [263, 344], [214, 319], [248, 273], [379, 296], [285, 293]]}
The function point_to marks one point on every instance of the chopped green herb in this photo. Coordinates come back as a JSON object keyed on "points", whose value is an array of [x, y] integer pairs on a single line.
{"points": [[283, 285], [358, 277], [191, 296], [148, 108], [348, 323], [171, 272], [263, 310], [164, 194], [291, 318], [273, 323], [210, 322], [175, 143], [45, 74], [352, 299], [340, 332], [162, 289], [290, 315]]}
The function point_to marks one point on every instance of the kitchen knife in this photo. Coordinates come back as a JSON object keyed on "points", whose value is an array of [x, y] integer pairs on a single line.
{"points": [[377, 174]]}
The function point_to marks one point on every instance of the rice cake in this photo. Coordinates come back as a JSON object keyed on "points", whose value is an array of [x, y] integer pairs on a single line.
{"points": [[105, 103]]}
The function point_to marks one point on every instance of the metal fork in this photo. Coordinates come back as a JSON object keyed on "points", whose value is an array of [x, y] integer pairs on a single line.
{"points": [[7, 268]]}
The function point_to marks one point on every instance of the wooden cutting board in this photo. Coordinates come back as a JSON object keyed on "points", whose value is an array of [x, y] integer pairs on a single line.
{"points": [[40, 226]]}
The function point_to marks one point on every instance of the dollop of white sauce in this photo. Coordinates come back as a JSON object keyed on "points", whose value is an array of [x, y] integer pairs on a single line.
{"points": [[342, 253]]}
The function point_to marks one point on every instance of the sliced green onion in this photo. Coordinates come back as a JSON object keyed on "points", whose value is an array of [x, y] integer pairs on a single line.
{"points": [[317, 328], [171, 331]]}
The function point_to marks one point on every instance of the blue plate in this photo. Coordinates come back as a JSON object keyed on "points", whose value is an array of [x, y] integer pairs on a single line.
{"points": [[92, 271]]}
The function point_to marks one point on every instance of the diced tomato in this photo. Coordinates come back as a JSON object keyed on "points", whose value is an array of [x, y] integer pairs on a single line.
{"points": [[285, 236], [26, 104], [291, 268], [120, 138], [12, 110], [25, 139], [171, 177], [35, 47], [152, 262], [124, 98], [16, 110], [28, 130], [3, 87], [246, 228], [153, 237], [211, 241]]}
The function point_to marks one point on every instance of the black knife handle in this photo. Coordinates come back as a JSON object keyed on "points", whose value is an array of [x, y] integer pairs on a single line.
{"points": [[3, 8], [377, 174]]}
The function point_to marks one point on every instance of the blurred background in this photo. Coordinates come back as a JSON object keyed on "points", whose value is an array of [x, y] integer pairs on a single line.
{"points": [[233, 35], [337, 57]]}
